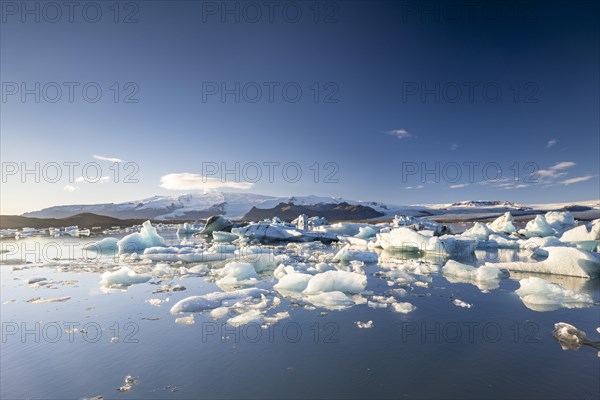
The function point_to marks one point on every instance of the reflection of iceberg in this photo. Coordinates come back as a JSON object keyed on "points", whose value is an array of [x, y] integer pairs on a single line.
{"points": [[540, 295], [562, 261]]}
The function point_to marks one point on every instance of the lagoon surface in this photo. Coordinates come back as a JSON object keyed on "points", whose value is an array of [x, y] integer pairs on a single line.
{"points": [[87, 343]]}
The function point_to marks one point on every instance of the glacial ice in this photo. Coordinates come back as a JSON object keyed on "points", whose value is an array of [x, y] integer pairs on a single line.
{"points": [[585, 237], [245, 318], [541, 295], [559, 220], [537, 227], [224, 237], [293, 282], [349, 254], [364, 325], [214, 300], [236, 274], [561, 260], [333, 300], [479, 232], [482, 274], [503, 224], [138, 241], [104, 245], [403, 308], [332, 281], [122, 278]]}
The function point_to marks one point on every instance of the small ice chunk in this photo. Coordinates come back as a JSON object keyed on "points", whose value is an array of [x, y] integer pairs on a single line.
{"points": [[403, 308], [333, 300], [130, 382], [560, 220], [214, 300], [569, 337], [460, 303], [189, 320], [219, 312], [40, 300], [295, 282], [245, 318], [154, 302], [122, 278], [349, 254], [364, 325]]}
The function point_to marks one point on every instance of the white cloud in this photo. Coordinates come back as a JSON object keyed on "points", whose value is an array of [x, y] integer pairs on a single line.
{"points": [[578, 179], [453, 147], [400, 133], [69, 188], [414, 187], [460, 185], [551, 143], [189, 181], [102, 179], [111, 159], [553, 171]]}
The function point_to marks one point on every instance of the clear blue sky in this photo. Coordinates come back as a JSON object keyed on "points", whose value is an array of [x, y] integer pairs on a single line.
{"points": [[387, 87]]}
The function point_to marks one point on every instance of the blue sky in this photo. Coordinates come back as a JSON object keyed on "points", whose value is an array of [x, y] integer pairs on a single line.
{"points": [[495, 100]]}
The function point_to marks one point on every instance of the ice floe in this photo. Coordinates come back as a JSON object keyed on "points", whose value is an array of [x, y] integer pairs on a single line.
{"points": [[540, 295], [561, 260], [122, 278], [214, 300]]}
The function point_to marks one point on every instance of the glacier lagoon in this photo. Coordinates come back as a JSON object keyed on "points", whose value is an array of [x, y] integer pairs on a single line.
{"points": [[409, 325]]}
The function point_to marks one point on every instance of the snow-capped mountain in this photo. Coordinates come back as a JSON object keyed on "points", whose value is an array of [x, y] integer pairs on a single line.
{"points": [[236, 205]]}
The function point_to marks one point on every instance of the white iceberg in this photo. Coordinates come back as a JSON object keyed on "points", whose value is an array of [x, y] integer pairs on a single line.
{"points": [[104, 245], [331, 281], [478, 231], [561, 261], [214, 300], [503, 224], [537, 227], [482, 274], [138, 241], [540, 295], [294, 282], [349, 254], [333, 300], [560, 220], [122, 278]]}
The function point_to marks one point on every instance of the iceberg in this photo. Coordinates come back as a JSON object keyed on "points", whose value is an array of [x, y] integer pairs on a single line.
{"points": [[336, 281], [138, 241], [582, 237], [333, 300], [270, 232], [561, 261], [246, 318], [479, 232], [540, 295], [188, 229], [349, 254], [104, 245], [560, 221], [293, 282], [403, 308], [485, 273], [503, 224], [537, 227], [224, 237], [214, 300], [571, 338], [216, 223], [236, 274], [123, 278]]}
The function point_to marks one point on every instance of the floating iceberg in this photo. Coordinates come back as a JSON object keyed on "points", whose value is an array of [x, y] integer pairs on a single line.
{"points": [[583, 236], [269, 232], [214, 300], [560, 221], [331, 281], [104, 245], [485, 277], [138, 241], [349, 254], [188, 229], [293, 282], [479, 232], [540, 295], [403, 308], [537, 227], [333, 300], [224, 237], [216, 223], [123, 278], [503, 224], [236, 274], [561, 260]]}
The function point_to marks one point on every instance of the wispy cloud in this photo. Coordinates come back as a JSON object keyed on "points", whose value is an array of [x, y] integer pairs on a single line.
{"points": [[111, 159], [414, 187], [400, 133], [453, 147], [578, 179], [551, 143], [190, 181], [102, 179], [555, 170], [458, 186]]}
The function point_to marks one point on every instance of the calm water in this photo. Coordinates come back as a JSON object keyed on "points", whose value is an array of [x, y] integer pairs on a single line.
{"points": [[496, 349]]}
